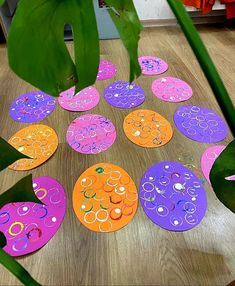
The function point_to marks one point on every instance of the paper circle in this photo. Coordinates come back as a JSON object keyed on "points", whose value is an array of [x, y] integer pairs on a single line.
{"points": [[200, 124], [84, 100], [172, 196], [29, 226], [107, 70], [147, 128], [91, 134], [39, 142], [171, 89], [105, 198], [32, 107], [152, 65], [123, 95]]}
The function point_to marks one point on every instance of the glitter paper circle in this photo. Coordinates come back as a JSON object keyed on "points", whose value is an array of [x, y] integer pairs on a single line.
{"points": [[84, 100], [171, 89], [172, 196], [123, 95], [91, 134], [32, 107], [105, 198], [29, 226], [147, 128], [200, 124], [38, 142], [152, 65], [107, 70]]}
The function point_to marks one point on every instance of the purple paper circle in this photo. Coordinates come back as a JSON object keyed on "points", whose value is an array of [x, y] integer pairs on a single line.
{"points": [[32, 107], [91, 134], [172, 196], [123, 95], [106, 70], [200, 124], [171, 89], [152, 65], [29, 226]]}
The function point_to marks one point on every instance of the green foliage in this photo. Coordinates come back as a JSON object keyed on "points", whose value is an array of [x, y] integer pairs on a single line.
{"points": [[3, 240], [2, 2]]}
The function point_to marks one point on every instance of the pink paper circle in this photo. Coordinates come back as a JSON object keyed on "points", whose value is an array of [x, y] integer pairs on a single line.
{"points": [[171, 89], [91, 134], [152, 65], [84, 100], [106, 70]]}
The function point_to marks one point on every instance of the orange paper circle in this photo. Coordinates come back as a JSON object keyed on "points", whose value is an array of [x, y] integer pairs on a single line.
{"points": [[105, 198], [39, 142], [147, 128]]}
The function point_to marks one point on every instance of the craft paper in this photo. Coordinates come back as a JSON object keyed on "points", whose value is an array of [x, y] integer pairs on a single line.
{"points": [[91, 134], [106, 70], [29, 226], [147, 128], [39, 142], [84, 100], [105, 198], [171, 89], [122, 94], [200, 124], [32, 107], [152, 65], [172, 196]]}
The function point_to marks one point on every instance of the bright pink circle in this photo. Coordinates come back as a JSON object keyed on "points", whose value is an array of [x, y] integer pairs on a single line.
{"points": [[106, 70], [171, 89], [152, 65], [84, 100]]}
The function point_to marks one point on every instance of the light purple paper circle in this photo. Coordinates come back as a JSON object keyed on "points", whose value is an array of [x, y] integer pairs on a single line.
{"points": [[107, 70], [200, 124], [171, 89], [91, 134], [32, 107], [152, 65], [123, 95], [29, 226], [172, 196]]}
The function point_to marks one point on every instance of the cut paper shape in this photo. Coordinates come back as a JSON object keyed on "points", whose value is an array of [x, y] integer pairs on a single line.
{"points": [[105, 198], [29, 226], [107, 70], [91, 134], [147, 128], [32, 107], [152, 65], [171, 89], [200, 124], [84, 100], [39, 142], [122, 94], [172, 196]]}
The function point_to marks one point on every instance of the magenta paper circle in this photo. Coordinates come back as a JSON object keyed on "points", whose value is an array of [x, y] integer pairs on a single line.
{"points": [[29, 226], [91, 134], [171, 89], [152, 65], [84, 100], [106, 70]]}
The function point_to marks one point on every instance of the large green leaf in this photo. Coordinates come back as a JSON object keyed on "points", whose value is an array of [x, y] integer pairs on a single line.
{"points": [[3, 240], [223, 168], [2, 2]]}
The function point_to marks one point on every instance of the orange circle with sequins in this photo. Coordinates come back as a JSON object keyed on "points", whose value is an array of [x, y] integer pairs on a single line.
{"points": [[147, 128], [38, 142], [105, 198]]}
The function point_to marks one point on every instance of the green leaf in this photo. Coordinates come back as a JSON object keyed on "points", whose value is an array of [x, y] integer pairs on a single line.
{"points": [[8, 154], [125, 18], [224, 167], [3, 240], [2, 2]]}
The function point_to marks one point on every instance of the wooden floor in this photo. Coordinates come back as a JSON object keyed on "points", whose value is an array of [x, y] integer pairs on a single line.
{"points": [[141, 253]]}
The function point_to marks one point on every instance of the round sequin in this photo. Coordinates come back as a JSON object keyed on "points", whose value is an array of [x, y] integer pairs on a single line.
{"points": [[152, 65], [107, 70]]}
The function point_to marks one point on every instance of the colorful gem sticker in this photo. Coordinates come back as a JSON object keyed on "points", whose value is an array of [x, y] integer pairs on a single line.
{"points": [[200, 124], [105, 198], [152, 65], [147, 128], [171, 89], [32, 107], [91, 134], [39, 142], [29, 226], [107, 70], [122, 94], [172, 196]]}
